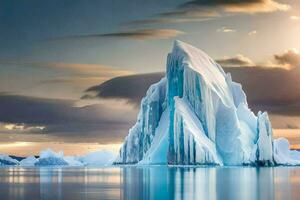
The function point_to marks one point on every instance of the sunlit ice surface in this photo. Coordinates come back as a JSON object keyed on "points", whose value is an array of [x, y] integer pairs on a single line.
{"points": [[151, 182]]}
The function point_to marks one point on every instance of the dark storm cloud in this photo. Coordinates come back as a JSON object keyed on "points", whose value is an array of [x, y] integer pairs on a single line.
{"points": [[99, 122], [131, 88]]}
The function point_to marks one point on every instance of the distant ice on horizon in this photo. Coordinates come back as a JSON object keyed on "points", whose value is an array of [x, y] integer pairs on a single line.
{"points": [[49, 157]]}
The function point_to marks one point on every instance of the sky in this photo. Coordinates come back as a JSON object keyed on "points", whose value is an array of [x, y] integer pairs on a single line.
{"points": [[68, 67]]}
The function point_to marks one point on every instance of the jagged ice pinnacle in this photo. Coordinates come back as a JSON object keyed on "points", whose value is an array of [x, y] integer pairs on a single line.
{"points": [[198, 115]]}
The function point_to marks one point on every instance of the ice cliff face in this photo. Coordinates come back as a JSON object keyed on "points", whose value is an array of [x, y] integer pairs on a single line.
{"points": [[141, 135], [197, 115]]}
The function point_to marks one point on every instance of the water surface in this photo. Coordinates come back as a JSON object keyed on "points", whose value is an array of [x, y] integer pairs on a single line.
{"points": [[156, 182]]}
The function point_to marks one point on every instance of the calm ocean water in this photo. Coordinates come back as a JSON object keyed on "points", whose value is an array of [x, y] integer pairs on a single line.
{"points": [[156, 182]]}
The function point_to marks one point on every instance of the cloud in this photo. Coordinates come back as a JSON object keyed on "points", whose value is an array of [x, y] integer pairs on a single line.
{"points": [[166, 21], [102, 70], [179, 15], [75, 80], [60, 120], [197, 12], [21, 128], [145, 34], [294, 17], [226, 30], [252, 33], [202, 10], [290, 58], [131, 88], [80, 68], [57, 79], [141, 34], [238, 60], [269, 87], [287, 60], [240, 6]]}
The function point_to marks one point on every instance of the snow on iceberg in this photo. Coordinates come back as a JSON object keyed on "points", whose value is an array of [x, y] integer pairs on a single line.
{"points": [[28, 161], [49, 157], [6, 160], [98, 158], [73, 161], [198, 115], [283, 155]]}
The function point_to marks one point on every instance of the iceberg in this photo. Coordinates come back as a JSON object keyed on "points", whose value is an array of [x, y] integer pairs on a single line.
{"points": [[28, 161], [49, 157], [6, 160], [283, 155], [73, 161], [98, 158], [197, 115]]}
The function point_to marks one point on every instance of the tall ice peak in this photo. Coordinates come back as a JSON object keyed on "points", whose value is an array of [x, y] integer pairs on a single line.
{"points": [[197, 115]]}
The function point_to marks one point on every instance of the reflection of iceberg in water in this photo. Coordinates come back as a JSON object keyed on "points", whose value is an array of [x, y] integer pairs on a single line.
{"points": [[193, 183], [287, 183], [50, 183], [78, 183], [197, 183], [144, 183], [245, 183], [155, 182]]}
